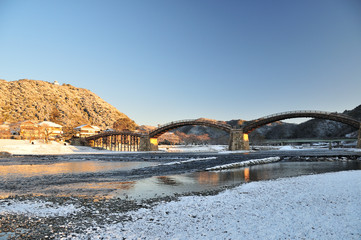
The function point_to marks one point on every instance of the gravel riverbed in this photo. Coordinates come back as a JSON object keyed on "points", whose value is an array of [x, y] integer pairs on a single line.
{"points": [[53, 216]]}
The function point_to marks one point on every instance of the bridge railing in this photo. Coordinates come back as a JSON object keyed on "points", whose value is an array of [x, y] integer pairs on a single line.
{"points": [[108, 133], [190, 120], [173, 122]]}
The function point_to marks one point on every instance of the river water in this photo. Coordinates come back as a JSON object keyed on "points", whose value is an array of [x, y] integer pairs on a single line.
{"points": [[206, 180], [147, 176]]}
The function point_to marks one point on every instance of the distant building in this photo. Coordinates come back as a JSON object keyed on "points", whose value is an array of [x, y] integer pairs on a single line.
{"points": [[30, 130], [87, 130], [51, 130], [56, 83], [5, 131], [25, 130]]}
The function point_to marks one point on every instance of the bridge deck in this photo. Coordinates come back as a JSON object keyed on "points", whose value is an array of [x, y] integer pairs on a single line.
{"points": [[254, 124], [173, 125]]}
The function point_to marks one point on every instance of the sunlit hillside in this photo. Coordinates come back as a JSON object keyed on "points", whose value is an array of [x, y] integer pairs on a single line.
{"points": [[65, 104]]}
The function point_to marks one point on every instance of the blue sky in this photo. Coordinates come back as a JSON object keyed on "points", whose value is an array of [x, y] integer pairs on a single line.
{"points": [[159, 61]]}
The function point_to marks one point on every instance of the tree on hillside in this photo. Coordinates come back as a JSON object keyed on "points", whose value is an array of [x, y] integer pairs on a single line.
{"points": [[169, 138], [69, 132], [123, 124], [192, 138], [55, 116], [5, 113]]}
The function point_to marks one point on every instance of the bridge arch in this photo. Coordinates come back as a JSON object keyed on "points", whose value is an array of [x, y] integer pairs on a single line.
{"points": [[200, 122], [254, 124]]}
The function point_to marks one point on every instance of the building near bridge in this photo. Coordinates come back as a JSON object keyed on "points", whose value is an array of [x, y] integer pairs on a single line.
{"points": [[31, 130], [5, 131], [26, 130], [51, 130], [87, 130]]}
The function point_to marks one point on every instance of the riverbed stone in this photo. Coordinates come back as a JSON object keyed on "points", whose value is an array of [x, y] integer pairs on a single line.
{"points": [[5, 154]]}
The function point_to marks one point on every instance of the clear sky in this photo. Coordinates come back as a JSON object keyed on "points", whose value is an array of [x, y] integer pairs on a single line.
{"points": [[160, 60]]}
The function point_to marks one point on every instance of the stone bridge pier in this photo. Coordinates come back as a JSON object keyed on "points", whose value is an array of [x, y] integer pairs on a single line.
{"points": [[238, 140], [147, 143]]}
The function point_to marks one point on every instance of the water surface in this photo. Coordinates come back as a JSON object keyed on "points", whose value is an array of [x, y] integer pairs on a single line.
{"points": [[203, 181], [30, 170]]}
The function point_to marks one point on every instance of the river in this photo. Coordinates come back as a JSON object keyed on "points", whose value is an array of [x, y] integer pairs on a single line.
{"points": [[149, 175]]}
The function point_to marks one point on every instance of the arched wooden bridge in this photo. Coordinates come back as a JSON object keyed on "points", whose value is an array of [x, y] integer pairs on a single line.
{"points": [[133, 141], [190, 122], [254, 124]]}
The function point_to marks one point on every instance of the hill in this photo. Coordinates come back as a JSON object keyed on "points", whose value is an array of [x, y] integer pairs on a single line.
{"points": [[64, 104]]}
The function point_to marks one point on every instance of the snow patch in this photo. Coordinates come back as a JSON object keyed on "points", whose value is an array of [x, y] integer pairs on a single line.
{"points": [[25, 147], [31, 208], [288, 148], [237, 151], [190, 160], [193, 148], [245, 163], [353, 149]]}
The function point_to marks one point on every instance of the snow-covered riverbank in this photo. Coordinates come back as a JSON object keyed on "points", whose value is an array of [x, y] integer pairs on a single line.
{"points": [[25, 147], [325, 206]]}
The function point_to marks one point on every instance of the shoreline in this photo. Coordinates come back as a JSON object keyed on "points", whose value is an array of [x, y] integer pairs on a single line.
{"points": [[321, 206], [25, 147], [10, 147]]}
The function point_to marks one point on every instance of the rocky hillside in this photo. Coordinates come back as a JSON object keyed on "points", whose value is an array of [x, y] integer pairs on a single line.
{"points": [[67, 105]]}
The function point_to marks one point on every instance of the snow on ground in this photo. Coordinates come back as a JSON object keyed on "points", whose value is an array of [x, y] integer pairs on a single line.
{"points": [[245, 163], [288, 148], [40, 209], [190, 160], [238, 151], [193, 148], [221, 149], [325, 206], [25, 147], [353, 149]]}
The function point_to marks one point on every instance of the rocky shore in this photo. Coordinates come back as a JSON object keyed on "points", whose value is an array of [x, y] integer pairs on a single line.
{"points": [[328, 207], [35, 223]]}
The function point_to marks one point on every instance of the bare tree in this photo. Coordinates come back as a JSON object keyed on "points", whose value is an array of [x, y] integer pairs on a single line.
{"points": [[124, 124], [55, 115], [46, 132]]}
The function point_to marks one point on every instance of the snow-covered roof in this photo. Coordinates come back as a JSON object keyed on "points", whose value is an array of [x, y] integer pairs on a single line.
{"points": [[27, 121], [82, 126], [49, 124], [88, 126], [96, 127]]}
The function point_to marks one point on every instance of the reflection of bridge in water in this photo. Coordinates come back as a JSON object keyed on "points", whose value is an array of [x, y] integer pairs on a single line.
{"points": [[238, 140]]}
